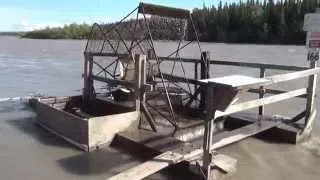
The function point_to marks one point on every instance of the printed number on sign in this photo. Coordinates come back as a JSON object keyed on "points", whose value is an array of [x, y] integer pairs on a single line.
{"points": [[313, 56]]}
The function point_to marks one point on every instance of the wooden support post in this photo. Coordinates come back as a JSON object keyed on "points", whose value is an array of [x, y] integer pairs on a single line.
{"points": [[140, 72], [209, 127], [87, 77], [151, 58], [141, 81], [262, 91], [143, 71], [205, 74], [90, 77], [195, 75], [311, 93], [151, 54]]}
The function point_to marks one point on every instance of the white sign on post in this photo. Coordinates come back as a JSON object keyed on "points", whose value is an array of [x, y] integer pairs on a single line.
{"points": [[313, 55], [312, 26], [311, 22]]}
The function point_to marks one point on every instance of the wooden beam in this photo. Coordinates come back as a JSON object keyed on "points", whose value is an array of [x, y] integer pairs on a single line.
{"points": [[139, 70], [85, 79], [307, 129], [182, 79], [158, 10], [128, 84], [149, 167], [47, 128], [292, 76], [204, 74], [186, 60], [114, 81], [90, 80], [272, 91], [311, 95], [209, 127], [297, 117], [196, 75], [229, 137], [239, 64], [259, 102], [217, 62], [107, 54], [148, 117], [235, 82], [262, 91], [220, 82], [259, 65]]}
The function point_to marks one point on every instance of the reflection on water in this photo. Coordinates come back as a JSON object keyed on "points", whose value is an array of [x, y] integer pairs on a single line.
{"points": [[55, 67]]}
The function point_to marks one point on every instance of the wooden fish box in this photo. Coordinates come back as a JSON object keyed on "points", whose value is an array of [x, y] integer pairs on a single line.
{"points": [[88, 129]]}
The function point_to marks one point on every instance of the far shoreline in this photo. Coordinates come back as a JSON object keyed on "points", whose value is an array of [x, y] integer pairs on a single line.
{"points": [[162, 41]]}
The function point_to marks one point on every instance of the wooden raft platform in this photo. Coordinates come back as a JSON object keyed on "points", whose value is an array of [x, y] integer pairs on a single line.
{"points": [[169, 151]]}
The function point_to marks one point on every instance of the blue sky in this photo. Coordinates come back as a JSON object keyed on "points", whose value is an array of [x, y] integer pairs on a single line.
{"points": [[24, 15]]}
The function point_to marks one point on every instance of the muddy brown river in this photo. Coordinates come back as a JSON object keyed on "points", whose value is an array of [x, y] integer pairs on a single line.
{"points": [[54, 67]]}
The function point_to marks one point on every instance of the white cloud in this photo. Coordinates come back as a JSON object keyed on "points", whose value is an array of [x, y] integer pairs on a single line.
{"points": [[20, 19]]}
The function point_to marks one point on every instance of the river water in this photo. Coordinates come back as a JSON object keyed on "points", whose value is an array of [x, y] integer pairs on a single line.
{"points": [[54, 67]]}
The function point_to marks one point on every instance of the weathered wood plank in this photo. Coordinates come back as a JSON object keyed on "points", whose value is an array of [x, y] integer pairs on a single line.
{"points": [[244, 82], [147, 87], [311, 95], [107, 54], [229, 137], [239, 64], [204, 74], [235, 81], [163, 11], [181, 79], [259, 65], [291, 76], [61, 122], [114, 81], [209, 127], [138, 60], [225, 163], [259, 102], [262, 91], [272, 91], [149, 117], [53, 100], [83, 147], [218, 62], [149, 167], [101, 130], [85, 78]]}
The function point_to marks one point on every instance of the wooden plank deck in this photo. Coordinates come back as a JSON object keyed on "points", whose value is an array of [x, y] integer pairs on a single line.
{"points": [[174, 151]]}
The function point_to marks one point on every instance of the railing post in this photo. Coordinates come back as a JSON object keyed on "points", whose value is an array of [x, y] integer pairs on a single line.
{"points": [[87, 78], [209, 127], [195, 74], [262, 91], [140, 77], [205, 74], [312, 83]]}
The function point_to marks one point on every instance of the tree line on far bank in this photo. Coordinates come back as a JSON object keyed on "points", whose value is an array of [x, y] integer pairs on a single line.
{"points": [[251, 21], [72, 31]]}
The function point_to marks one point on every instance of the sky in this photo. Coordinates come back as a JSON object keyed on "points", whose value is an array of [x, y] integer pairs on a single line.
{"points": [[26, 15]]}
